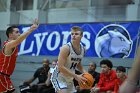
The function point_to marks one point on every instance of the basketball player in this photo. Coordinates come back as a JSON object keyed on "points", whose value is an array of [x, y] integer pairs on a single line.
{"points": [[130, 84], [8, 56], [69, 59]]}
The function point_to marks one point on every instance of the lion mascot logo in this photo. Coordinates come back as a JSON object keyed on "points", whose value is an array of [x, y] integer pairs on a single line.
{"points": [[113, 41]]}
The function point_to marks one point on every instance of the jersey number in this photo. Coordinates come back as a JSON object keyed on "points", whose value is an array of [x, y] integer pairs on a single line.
{"points": [[73, 65]]}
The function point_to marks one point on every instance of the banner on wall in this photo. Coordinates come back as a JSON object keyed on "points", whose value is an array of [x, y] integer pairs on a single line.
{"points": [[116, 40]]}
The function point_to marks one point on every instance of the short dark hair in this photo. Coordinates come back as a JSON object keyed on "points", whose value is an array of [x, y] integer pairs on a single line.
{"points": [[10, 30], [106, 62], [46, 61], [121, 68]]}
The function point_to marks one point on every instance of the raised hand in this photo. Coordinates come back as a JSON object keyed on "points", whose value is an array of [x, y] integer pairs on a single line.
{"points": [[35, 24]]}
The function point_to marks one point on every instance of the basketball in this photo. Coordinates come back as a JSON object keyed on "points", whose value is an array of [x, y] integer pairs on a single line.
{"points": [[90, 80]]}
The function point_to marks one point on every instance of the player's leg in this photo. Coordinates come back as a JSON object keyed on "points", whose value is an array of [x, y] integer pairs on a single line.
{"points": [[63, 91], [59, 84], [6, 84], [66, 91], [69, 88]]}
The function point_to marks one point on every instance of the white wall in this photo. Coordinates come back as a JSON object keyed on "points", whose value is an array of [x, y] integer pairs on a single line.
{"points": [[4, 20], [100, 13]]}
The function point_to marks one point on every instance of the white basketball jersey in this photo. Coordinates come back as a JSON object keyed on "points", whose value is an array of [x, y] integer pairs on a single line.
{"points": [[74, 58], [61, 81]]}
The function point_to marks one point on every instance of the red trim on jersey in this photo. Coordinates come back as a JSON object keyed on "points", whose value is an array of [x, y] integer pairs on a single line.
{"points": [[7, 62]]}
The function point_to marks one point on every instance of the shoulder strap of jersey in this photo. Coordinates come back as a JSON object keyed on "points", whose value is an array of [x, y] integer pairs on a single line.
{"points": [[83, 48], [70, 48]]}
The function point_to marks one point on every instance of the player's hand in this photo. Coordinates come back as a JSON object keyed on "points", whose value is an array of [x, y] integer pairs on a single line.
{"points": [[35, 25], [81, 80]]}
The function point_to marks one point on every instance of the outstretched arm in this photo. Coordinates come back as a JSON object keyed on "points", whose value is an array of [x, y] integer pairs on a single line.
{"points": [[129, 86], [16, 42]]}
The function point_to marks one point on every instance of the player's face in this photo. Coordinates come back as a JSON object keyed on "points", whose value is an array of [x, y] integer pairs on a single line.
{"points": [[76, 35], [15, 34], [105, 68], [120, 74]]}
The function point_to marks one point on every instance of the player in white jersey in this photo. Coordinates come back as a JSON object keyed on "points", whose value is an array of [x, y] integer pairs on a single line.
{"points": [[69, 59]]}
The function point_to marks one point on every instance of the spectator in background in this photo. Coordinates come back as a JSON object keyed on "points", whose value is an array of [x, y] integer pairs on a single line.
{"points": [[120, 71], [96, 76], [107, 78], [42, 75], [92, 71], [50, 88]]}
